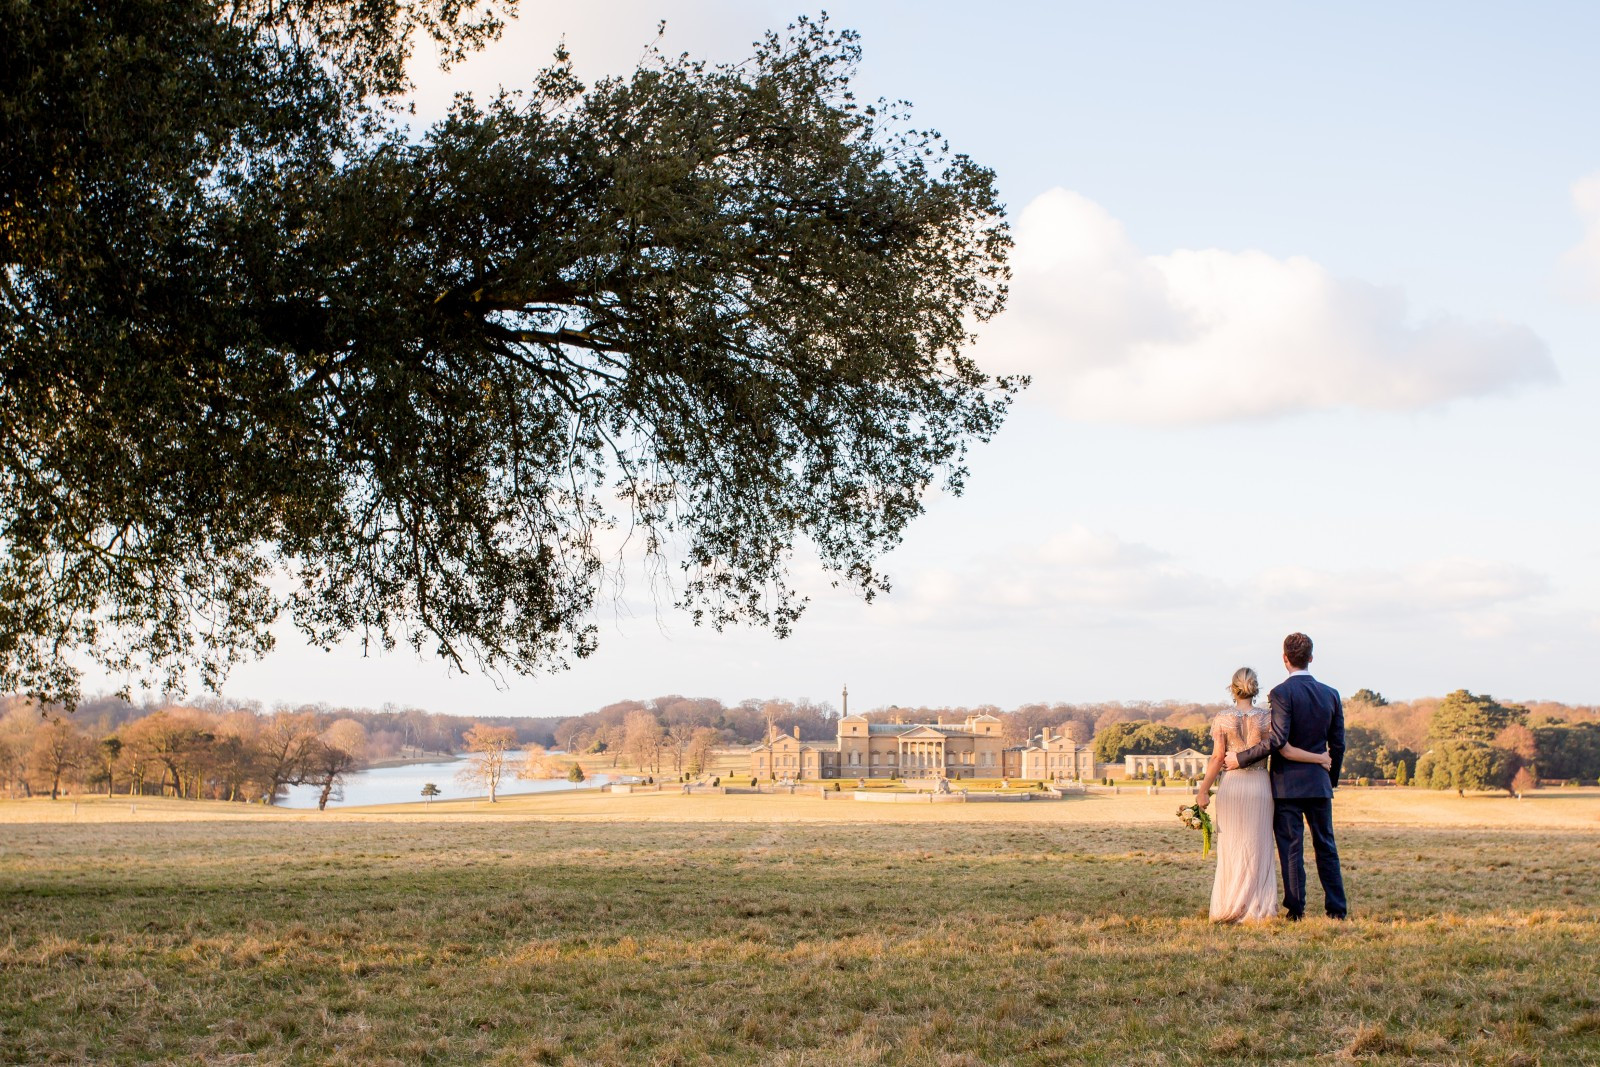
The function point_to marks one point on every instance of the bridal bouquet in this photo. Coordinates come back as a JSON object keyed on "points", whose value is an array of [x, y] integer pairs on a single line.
{"points": [[1196, 818]]}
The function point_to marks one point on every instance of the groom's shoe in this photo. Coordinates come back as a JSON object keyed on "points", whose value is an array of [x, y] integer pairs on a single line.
{"points": [[1338, 916], [1295, 916]]}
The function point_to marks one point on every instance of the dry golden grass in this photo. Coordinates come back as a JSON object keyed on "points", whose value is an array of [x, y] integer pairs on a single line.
{"points": [[660, 929], [1548, 809]]}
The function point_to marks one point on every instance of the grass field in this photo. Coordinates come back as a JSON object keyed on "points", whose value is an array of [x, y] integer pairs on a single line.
{"points": [[661, 929]]}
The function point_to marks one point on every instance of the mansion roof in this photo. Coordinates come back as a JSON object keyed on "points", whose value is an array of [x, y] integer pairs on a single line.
{"points": [[890, 728]]}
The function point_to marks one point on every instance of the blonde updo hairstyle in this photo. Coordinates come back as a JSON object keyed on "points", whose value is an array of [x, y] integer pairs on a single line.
{"points": [[1244, 686]]}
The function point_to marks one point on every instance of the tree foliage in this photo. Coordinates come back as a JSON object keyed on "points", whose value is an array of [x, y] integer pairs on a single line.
{"points": [[1370, 753], [251, 325], [1464, 716], [1568, 750], [1468, 764], [1140, 738]]}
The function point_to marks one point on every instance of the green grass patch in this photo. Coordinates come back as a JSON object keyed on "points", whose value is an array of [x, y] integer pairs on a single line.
{"points": [[953, 943]]}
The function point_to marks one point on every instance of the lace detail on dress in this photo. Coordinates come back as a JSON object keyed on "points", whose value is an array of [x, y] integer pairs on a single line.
{"points": [[1241, 730]]}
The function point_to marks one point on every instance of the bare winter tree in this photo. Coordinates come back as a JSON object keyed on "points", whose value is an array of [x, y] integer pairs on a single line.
{"points": [[679, 737], [642, 740], [325, 767], [487, 756], [702, 747], [59, 749], [287, 741], [538, 764]]}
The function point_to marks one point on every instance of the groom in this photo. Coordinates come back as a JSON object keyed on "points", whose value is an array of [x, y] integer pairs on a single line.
{"points": [[1307, 714]]}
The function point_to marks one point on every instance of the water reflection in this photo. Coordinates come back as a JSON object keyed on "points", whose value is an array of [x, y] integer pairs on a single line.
{"points": [[403, 784]]}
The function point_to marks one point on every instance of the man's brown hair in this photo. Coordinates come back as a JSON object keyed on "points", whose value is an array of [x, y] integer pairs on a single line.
{"points": [[1297, 649]]}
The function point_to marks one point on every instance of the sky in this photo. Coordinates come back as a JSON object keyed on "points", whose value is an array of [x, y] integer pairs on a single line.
{"points": [[1311, 302]]}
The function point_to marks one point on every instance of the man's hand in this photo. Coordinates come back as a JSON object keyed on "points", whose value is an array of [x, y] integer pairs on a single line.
{"points": [[1231, 761]]}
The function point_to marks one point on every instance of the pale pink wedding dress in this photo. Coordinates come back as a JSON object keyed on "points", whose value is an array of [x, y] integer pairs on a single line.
{"points": [[1242, 813]]}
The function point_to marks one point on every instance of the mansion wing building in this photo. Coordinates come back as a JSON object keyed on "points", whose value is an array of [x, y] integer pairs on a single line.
{"points": [[974, 748]]}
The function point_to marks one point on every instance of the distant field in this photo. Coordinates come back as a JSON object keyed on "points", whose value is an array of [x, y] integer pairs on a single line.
{"points": [[661, 929]]}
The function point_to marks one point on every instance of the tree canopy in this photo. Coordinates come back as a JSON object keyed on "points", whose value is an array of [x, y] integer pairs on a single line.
{"points": [[1464, 716], [264, 349], [1139, 737]]}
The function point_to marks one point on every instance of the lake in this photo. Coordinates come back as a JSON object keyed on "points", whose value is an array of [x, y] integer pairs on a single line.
{"points": [[403, 784]]}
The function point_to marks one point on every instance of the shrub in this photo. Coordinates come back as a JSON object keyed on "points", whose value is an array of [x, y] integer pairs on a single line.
{"points": [[1364, 781], [752, 783], [835, 787], [575, 774], [1401, 777]]}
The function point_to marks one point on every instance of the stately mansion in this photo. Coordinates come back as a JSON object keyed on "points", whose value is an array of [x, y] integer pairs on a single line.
{"points": [[973, 748]]}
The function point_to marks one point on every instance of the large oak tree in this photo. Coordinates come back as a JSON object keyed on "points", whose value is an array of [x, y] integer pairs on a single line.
{"points": [[265, 349]]}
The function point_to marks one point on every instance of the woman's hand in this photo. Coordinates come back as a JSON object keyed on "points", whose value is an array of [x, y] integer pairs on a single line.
{"points": [[1203, 799], [1324, 761]]}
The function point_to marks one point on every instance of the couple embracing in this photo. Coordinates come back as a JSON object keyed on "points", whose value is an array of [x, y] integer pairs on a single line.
{"points": [[1262, 799]]}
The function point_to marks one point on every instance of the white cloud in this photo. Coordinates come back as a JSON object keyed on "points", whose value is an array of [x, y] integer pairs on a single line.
{"points": [[1458, 586], [1581, 265], [1112, 333], [1075, 573], [1080, 579]]}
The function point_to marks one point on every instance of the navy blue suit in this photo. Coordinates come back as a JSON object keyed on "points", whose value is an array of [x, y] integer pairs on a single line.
{"points": [[1308, 715]]}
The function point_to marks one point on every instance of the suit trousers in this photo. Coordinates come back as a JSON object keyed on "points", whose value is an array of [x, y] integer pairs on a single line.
{"points": [[1290, 817]]}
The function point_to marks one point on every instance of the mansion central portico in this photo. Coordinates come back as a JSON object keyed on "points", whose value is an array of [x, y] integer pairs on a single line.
{"points": [[924, 754]]}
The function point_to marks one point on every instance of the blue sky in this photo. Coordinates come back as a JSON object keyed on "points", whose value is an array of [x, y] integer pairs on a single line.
{"points": [[1312, 309]]}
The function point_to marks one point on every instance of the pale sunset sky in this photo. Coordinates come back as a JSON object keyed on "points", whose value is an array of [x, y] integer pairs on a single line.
{"points": [[1311, 300]]}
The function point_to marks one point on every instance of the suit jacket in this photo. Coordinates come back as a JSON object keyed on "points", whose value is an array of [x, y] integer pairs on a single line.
{"points": [[1308, 715]]}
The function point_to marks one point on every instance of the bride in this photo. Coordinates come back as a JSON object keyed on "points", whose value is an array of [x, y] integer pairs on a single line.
{"points": [[1244, 886]]}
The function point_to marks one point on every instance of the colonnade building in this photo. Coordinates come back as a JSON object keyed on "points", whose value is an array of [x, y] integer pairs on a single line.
{"points": [[1185, 764]]}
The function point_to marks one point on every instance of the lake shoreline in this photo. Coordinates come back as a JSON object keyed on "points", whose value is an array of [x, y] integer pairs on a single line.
{"points": [[406, 761]]}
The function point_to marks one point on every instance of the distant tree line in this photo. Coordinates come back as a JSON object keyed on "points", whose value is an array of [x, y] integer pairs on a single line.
{"points": [[1137, 737], [1476, 742], [215, 750], [184, 752], [238, 752]]}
